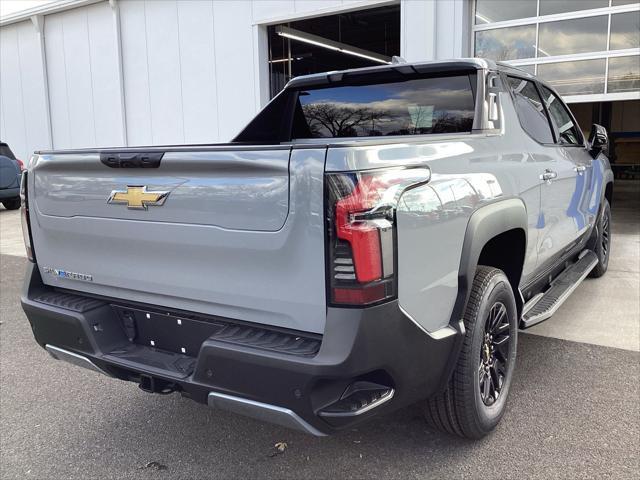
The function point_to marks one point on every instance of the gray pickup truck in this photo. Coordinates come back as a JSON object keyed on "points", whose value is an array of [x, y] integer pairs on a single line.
{"points": [[373, 238]]}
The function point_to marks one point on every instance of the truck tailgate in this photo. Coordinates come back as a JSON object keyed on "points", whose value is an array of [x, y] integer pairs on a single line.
{"points": [[219, 231]]}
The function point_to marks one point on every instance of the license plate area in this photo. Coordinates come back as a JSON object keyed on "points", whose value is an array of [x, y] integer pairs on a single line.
{"points": [[165, 331]]}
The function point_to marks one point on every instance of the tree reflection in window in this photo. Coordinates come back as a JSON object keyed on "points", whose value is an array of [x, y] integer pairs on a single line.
{"points": [[413, 107]]}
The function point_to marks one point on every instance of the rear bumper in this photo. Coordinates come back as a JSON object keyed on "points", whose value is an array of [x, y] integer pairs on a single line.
{"points": [[378, 345]]}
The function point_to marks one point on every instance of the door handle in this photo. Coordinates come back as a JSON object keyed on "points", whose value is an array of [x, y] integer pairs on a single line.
{"points": [[580, 169], [548, 175]]}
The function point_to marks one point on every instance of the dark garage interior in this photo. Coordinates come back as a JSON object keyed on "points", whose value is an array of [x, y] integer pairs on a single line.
{"points": [[335, 42]]}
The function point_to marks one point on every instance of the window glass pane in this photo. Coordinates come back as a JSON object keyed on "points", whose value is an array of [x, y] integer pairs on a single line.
{"points": [[625, 31], [624, 74], [530, 110], [549, 7], [506, 43], [569, 132], [413, 107], [573, 36], [489, 11], [615, 3], [574, 78]]}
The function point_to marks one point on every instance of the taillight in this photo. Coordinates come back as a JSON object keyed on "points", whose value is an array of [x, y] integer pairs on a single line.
{"points": [[24, 214], [361, 232], [20, 164]]}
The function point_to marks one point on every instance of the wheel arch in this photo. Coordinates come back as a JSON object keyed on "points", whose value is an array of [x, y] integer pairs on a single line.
{"points": [[608, 192], [490, 229]]}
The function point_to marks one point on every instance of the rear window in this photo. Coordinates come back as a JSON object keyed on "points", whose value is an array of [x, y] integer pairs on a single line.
{"points": [[411, 107]]}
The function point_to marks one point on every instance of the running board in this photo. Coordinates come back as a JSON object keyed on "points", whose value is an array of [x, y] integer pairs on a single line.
{"points": [[545, 305]]}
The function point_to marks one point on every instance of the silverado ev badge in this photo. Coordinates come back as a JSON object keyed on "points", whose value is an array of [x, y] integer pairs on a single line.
{"points": [[137, 197], [65, 274]]}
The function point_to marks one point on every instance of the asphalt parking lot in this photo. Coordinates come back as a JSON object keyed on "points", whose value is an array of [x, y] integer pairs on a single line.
{"points": [[573, 411]]}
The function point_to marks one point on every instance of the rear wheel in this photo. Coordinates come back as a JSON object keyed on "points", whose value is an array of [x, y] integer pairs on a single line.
{"points": [[602, 246], [11, 203], [475, 398]]}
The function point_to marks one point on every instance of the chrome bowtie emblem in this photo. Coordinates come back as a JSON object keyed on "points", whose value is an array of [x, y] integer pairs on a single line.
{"points": [[137, 197]]}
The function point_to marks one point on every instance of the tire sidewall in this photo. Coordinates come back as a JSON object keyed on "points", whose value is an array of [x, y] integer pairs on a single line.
{"points": [[12, 203], [602, 257], [498, 289]]}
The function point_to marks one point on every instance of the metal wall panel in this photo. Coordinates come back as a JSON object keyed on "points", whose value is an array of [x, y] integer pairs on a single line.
{"points": [[23, 117], [83, 78]]}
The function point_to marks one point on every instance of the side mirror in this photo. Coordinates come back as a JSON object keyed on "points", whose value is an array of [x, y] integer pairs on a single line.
{"points": [[598, 140]]}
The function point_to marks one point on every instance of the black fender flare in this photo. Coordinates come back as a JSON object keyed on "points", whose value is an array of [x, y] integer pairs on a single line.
{"points": [[607, 178], [484, 224]]}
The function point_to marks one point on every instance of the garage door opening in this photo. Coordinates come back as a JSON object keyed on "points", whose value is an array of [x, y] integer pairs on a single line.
{"points": [[335, 42]]}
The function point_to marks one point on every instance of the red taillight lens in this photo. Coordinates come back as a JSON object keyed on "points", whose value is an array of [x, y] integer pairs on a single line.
{"points": [[20, 164], [361, 235]]}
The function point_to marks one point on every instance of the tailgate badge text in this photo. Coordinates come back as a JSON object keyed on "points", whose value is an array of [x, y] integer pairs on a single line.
{"points": [[66, 274]]}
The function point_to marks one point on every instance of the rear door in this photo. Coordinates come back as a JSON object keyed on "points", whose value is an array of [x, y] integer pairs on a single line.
{"points": [[583, 205], [235, 232], [556, 175]]}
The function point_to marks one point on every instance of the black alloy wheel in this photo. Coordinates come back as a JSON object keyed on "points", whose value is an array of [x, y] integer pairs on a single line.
{"points": [[600, 243], [494, 354], [476, 394]]}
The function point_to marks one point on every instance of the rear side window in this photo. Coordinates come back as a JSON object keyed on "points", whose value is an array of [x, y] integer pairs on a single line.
{"points": [[530, 109], [412, 107], [568, 131]]}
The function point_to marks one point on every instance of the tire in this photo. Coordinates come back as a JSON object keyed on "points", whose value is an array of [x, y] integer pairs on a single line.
{"points": [[462, 409], [602, 247], [11, 203]]}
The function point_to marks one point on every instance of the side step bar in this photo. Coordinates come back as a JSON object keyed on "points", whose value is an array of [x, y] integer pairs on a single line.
{"points": [[545, 305]]}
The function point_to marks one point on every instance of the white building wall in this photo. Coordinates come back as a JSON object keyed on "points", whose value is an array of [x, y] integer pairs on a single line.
{"points": [[434, 29], [145, 72], [83, 79], [23, 105]]}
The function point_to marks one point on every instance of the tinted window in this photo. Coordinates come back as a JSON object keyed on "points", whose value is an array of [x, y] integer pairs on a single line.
{"points": [[579, 77], [567, 129], [625, 31], [489, 11], [412, 107], [578, 35], [549, 7], [506, 43], [624, 74], [530, 110]]}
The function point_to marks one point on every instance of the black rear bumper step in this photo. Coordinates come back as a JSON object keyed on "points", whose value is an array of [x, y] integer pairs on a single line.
{"points": [[149, 323], [68, 301], [559, 290], [268, 340]]}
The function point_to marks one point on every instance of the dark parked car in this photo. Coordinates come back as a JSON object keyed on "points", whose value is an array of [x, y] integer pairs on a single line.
{"points": [[10, 171]]}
